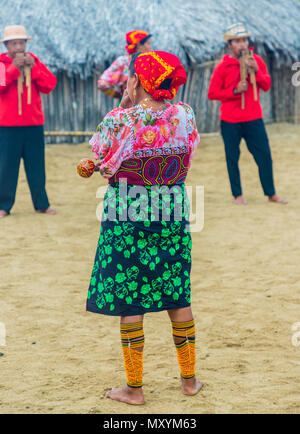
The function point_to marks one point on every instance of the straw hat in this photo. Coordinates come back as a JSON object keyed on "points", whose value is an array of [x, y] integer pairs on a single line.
{"points": [[14, 32], [236, 31]]}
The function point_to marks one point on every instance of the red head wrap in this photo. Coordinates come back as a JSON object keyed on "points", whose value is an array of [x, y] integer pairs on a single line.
{"points": [[154, 67], [133, 38]]}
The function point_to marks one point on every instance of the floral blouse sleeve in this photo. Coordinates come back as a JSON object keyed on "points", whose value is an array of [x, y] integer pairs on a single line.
{"points": [[114, 78], [110, 140], [194, 136]]}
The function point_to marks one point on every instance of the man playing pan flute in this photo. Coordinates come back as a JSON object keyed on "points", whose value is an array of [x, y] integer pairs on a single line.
{"points": [[236, 82], [23, 77]]}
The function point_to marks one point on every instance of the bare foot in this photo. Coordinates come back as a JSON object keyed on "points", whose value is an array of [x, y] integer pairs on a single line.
{"points": [[3, 214], [190, 386], [127, 394], [240, 200], [277, 199], [50, 211]]}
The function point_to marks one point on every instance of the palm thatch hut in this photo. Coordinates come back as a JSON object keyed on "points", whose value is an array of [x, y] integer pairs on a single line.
{"points": [[78, 39]]}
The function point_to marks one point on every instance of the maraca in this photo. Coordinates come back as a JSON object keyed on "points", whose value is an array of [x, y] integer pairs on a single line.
{"points": [[86, 168]]}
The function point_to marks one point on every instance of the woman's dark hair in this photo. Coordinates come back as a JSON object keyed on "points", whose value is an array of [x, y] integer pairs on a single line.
{"points": [[142, 42], [166, 84], [131, 66]]}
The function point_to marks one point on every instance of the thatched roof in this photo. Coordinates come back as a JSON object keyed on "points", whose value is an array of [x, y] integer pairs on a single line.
{"points": [[76, 35]]}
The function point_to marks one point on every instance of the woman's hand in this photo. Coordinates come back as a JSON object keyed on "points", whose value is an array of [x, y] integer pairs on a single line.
{"points": [[126, 101]]}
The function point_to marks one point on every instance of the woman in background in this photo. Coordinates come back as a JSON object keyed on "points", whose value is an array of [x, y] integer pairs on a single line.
{"points": [[113, 81]]}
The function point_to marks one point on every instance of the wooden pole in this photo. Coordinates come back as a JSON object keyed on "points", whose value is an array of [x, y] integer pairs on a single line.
{"points": [[20, 86], [253, 80], [243, 72], [27, 71]]}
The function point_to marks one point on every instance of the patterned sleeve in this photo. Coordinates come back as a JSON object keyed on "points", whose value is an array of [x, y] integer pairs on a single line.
{"points": [[113, 78], [194, 136], [111, 140]]}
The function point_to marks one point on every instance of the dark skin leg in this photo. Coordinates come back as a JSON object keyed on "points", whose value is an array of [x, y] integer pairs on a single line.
{"points": [[190, 386]]}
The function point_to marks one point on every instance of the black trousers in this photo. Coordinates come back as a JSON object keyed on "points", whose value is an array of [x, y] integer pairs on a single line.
{"points": [[27, 143], [257, 142]]}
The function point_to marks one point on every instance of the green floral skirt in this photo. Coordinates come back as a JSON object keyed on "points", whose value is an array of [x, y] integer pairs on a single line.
{"points": [[142, 263]]}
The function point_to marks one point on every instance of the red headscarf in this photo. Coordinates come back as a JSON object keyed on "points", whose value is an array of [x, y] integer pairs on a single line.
{"points": [[154, 67], [133, 38]]}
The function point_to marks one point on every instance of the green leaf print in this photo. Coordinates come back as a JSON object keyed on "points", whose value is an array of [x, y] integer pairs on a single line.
{"points": [[135, 294], [108, 250], [129, 240], [176, 268], [157, 260], [120, 277], [166, 265], [156, 295], [187, 283], [165, 232], [141, 243], [152, 266], [100, 287], [141, 234], [108, 284], [109, 259], [145, 289], [109, 298], [119, 267], [168, 288], [126, 254], [145, 279], [93, 281], [132, 272], [121, 291], [133, 249], [132, 286], [111, 307], [153, 250], [147, 223], [104, 263], [175, 296], [172, 251], [159, 304], [167, 275], [128, 300], [147, 302], [144, 258], [93, 291], [176, 281], [157, 283]]}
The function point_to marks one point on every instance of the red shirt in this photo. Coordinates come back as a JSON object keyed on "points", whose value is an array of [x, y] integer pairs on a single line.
{"points": [[42, 80], [225, 78]]}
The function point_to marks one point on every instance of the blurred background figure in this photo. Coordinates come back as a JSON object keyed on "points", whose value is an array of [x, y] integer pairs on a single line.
{"points": [[241, 111], [21, 121], [113, 81]]}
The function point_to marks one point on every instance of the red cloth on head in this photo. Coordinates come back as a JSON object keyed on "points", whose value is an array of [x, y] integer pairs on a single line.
{"points": [[154, 67], [133, 38]]}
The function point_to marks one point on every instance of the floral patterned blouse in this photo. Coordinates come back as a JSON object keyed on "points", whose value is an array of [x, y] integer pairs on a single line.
{"points": [[138, 133], [113, 80]]}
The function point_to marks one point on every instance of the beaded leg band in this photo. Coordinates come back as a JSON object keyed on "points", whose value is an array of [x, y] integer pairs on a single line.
{"points": [[184, 337], [132, 338]]}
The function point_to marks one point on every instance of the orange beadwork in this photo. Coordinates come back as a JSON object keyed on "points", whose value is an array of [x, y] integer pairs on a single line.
{"points": [[132, 338], [186, 354], [85, 168]]}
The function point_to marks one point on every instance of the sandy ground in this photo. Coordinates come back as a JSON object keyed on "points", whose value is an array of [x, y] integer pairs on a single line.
{"points": [[245, 296]]}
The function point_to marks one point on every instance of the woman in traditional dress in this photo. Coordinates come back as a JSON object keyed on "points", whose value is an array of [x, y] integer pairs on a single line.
{"points": [[113, 80], [143, 261]]}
